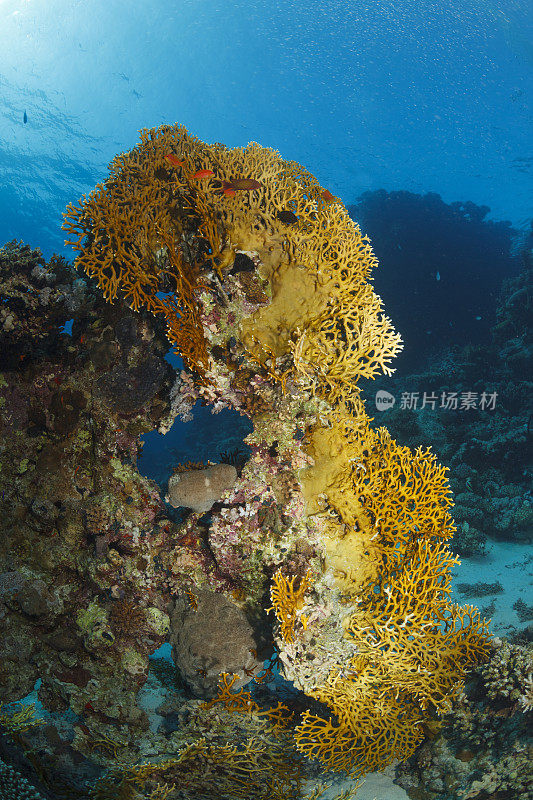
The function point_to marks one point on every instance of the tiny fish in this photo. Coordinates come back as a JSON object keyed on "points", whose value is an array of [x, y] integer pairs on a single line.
{"points": [[437, 276], [25, 118], [229, 192], [241, 184], [288, 217], [203, 173], [174, 160], [328, 197]]}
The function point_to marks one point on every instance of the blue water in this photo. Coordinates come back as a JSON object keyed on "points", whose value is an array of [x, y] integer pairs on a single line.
{"points": [[409, 95]]}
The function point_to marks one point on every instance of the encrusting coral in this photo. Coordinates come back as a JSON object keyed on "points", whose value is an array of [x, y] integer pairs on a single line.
{"points": [[263, 283]]}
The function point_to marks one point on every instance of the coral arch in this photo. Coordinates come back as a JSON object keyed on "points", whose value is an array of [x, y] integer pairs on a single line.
{"points": [[263, 281]]}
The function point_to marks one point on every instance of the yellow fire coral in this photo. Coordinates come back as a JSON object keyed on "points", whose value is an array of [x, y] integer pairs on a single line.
{"points": [[127, 233], [387, 512], [150, 230], [242, 702], [413, 650], [255, 768], [310, 326], [287, 601]]}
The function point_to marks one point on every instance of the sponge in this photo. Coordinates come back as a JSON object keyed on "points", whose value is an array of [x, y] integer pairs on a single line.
{"points": [[200, 488]]}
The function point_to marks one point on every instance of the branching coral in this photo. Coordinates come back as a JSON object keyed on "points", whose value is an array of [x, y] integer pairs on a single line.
{"points": [[149, 231], [402, 666], [241, 701], [287, 601], [413, 645], [286, 346], [508, 676], [129, 227], [19, 719], [202, 770]]}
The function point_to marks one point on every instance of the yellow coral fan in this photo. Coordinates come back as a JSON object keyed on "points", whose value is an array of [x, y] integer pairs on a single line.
{"points": [[287, 601], [148, 233], [383, 497], [323, 309], [127, 233], [388, 513], [409, 657], [387, 732], [241, 701]]}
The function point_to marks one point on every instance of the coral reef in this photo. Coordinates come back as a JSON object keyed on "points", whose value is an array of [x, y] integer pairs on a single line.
{"points": [[265, 292], [483, 748]]}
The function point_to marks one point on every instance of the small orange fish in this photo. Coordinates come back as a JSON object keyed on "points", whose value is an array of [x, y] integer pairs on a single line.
{"points": [[328, 197], [241, 184], [174, 160], [203, 173], [229, 192]]}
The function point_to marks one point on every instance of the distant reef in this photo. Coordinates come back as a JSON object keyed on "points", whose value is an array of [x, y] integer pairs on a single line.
{"points": [[441, 266]]}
